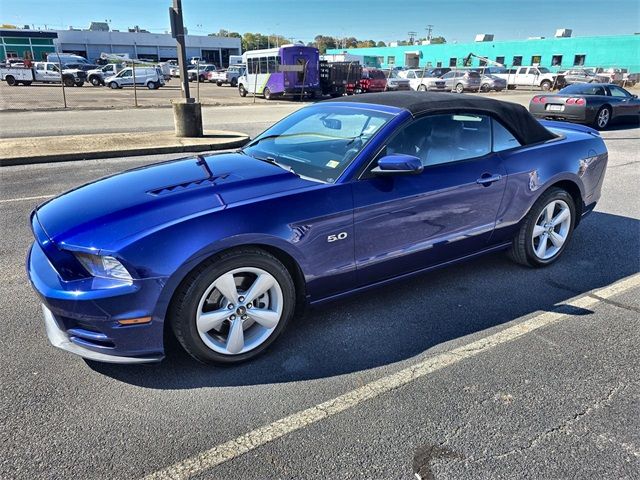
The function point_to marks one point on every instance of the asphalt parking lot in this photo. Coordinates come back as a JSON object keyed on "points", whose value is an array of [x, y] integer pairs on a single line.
{"points": [[487, 370]]}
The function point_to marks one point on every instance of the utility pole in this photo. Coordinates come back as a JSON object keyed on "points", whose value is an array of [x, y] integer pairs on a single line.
{"points": [[187, 114], [429, 29], [412, 37]]}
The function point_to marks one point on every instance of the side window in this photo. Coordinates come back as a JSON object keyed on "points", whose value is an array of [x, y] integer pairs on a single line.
{"points": [[502, 138], [439, 139], [40, 67], [617, 92]]}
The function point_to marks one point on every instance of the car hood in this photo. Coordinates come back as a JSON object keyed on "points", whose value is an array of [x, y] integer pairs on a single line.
{"points": [[102, 214]]}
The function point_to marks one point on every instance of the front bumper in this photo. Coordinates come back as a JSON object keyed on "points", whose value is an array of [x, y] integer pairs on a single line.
{"points": [[83, 315], [60, 339]]}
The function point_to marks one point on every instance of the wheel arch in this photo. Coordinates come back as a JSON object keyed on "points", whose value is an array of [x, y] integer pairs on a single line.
{"points": [[573, 189], [289, 259]]}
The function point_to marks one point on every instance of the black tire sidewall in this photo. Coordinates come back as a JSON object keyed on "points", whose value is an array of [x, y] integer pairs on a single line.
{"points": [[184, 311], [595, 122], [534, 213]]}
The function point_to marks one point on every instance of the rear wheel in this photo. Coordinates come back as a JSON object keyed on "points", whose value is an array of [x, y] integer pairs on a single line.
{"points": [[95, 81], [11, 81], [233, 307], [459, 88], [546, 230], [422, 88], [234, 82], [511, 87], [79, 83], [603, 118], [485, 87], [242, 90], [219, 84], [151, 85], [27, 83], [68, 82], [267, 94], [546, 85]]}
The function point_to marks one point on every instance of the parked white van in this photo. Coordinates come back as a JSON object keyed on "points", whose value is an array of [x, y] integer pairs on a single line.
{"points": [[150, 77]]}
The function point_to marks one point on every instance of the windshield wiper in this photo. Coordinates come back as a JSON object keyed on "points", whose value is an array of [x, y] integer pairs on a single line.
{"points": [[273, 161]]}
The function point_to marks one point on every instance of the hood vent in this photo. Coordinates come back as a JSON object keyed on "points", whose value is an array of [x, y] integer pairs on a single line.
{"points": [[187, 185]]}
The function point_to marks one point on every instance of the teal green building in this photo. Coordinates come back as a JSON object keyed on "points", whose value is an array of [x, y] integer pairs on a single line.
{"points": [[16, 43], [622, 51]]}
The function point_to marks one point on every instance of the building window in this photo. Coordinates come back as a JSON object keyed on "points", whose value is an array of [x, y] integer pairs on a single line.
{"points": [[517, 61], [391, 60], [556, 60], [500, 60], [453, 62], [11, 54], [578, 60], [536, 59], [439, 64]]}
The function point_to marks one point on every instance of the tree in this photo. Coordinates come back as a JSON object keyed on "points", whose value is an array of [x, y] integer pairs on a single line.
{"points": [[381, 44], [324, 43], [437, 40]]}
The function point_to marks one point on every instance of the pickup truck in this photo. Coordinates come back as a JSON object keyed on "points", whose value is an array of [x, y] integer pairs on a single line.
{"points": [[42, 72], [96, 76], [229, 76], [540, 77]]}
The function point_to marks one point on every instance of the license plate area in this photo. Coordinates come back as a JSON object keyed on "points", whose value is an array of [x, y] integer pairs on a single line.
{"points": [[554, 108]]}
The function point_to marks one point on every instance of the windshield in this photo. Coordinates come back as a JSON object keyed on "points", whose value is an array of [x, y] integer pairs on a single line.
{"points": [[318, 142], [544, 70]]}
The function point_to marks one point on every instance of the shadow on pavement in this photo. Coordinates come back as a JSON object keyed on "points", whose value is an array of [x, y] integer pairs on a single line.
{"points": [[397, 322]]}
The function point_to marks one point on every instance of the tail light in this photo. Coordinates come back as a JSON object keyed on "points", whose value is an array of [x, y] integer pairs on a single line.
{"points": [[580, 101], [537, 99], [576, 101]]}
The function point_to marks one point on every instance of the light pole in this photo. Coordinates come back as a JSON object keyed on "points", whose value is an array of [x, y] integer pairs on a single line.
{"points": [[187, 114]]}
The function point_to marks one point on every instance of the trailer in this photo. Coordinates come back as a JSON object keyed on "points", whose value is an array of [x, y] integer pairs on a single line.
{"points": [[339, 78]]}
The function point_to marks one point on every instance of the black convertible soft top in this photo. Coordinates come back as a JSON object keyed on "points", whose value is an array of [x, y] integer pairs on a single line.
{"points": [[513, 116]]}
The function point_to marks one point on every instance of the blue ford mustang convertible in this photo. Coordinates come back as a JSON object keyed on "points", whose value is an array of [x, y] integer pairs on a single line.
{"points": [[340, 196]]}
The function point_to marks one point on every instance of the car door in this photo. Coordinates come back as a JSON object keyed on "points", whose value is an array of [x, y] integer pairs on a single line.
{"points": [[126, 77], [52, 74], [404, 223], [449, 80], [623, 103]]}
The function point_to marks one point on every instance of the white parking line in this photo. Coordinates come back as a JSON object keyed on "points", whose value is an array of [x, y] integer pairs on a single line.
{"points": [[263, 435], [24, 199]]}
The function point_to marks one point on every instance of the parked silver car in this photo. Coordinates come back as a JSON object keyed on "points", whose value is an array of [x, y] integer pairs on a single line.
{"points": [[491, 82], [395, 82], [462, 80]]}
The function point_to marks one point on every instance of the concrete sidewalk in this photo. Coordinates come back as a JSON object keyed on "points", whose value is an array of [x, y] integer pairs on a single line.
{"points": [[22, 151]]}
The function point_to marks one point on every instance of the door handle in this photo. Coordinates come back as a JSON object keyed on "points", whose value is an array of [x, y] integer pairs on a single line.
{"points": [[487, 179]]}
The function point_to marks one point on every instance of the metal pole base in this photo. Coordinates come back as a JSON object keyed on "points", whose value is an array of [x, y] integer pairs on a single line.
{"points": [[187, 117]]}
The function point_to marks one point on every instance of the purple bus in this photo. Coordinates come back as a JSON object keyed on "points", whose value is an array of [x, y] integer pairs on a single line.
{"points": [[289, 70]]}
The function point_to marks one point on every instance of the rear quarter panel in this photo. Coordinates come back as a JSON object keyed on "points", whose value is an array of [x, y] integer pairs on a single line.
{"points": [[577, 156]]}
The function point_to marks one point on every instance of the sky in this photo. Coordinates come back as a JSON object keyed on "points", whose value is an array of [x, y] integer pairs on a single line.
{"points": [[386, 20]]}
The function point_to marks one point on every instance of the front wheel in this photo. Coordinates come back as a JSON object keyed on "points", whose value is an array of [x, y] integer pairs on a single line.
{"points": [[68, 82], [219, 84], [242, 90], [232, 307], [234, 82], [422, 88], [95, 81], [79, 83], [603, 117], [151, 86], [113, 85], [546, 230], [485, 87]]}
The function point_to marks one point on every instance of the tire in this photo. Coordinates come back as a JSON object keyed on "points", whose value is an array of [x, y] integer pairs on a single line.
{"points": [[219, 84], [511, 87], [199, 294], [602, 118], [242, 91], [526, 248], [234, 82], [267, 94], [113, 85], [151, 85], [27, 83], [422, 88], [78, 84], [95, 81], [201, 78], [68, 82], [459, 88], [485, 87], [11, 81], [545, 85]]}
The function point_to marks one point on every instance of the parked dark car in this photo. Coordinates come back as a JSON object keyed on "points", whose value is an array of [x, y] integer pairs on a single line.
{"points": [[596, 104]]}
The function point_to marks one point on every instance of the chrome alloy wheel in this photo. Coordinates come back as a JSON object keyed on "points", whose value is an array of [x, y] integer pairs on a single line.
{"points": [[239, 310], [551, 229], [603, 117]]}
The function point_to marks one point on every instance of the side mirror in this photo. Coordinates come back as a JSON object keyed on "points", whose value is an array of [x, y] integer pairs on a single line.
{"points": [[398, 164], [634, 96]]}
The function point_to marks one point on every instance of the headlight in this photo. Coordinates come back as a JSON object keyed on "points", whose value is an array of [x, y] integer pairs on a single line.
{"points": [[103, 266]]}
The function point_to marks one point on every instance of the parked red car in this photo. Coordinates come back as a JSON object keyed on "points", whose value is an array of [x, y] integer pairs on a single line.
{"points": [[373, 80]]}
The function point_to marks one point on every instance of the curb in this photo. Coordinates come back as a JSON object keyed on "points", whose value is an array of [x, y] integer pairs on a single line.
{"points": [[235, 142]]}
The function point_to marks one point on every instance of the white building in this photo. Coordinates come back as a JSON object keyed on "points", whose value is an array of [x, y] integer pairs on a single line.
{"points": [[148, 46]]}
